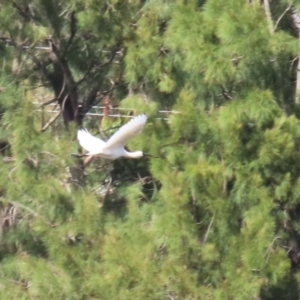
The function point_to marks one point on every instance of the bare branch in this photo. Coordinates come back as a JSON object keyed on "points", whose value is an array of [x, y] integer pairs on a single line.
{"points": [[90, 101], [14, 168], [68, 76], [297, 98], [64, 102], [52, 120], [9, 159], [47, 103], [208, 229], [296, 18], [112, 56], [269, 15], [282, 15], [85, 74], [27, 17], [73, 30], [107, 189], [226, 94]]}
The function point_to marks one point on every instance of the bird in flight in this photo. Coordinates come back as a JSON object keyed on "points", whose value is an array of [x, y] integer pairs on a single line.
{"points": [[114, 147]]}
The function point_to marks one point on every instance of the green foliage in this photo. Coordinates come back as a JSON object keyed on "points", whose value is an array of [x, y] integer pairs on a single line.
{"points": [[215, 215]]}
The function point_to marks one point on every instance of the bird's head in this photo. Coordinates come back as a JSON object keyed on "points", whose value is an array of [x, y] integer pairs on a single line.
{"points": [[137, 154]]}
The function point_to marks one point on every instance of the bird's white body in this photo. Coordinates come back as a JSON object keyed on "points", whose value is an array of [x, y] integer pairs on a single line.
{"points": [[114, 147]]}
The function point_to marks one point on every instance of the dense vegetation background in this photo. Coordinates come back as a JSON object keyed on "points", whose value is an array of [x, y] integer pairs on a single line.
{"points": [[216, 215]]}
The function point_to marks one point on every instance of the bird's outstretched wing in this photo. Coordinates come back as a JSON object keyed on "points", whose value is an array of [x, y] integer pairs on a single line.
{"points": [[89, 142], [127, 132]]}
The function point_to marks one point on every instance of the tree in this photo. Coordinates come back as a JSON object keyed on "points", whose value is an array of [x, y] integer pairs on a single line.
{"points": [[70, 47], [216, 215]]}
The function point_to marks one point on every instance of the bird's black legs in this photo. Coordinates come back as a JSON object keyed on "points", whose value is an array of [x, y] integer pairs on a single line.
{"points": [[77, 155]]}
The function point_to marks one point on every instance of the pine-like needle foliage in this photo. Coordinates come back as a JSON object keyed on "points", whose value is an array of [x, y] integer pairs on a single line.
{"points": [[215, 215]]}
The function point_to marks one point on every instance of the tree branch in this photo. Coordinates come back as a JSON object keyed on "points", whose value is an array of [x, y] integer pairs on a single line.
{"points": [[52, 120], [90, 100], [296, 17], [282, 15], [69, 80], [47, 103], [112, 56], [269, 15], [23, 13], [73, 30], [85, 74], [208, 229]]}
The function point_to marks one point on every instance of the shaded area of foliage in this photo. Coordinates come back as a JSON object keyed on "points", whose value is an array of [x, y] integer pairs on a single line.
{"points": [[215, 215]]}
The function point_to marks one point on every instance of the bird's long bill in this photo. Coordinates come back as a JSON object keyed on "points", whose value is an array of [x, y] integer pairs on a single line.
{"points": [[150, 155]]}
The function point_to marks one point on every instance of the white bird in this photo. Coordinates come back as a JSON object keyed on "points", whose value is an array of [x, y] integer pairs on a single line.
{"points": [[114, 147]]}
